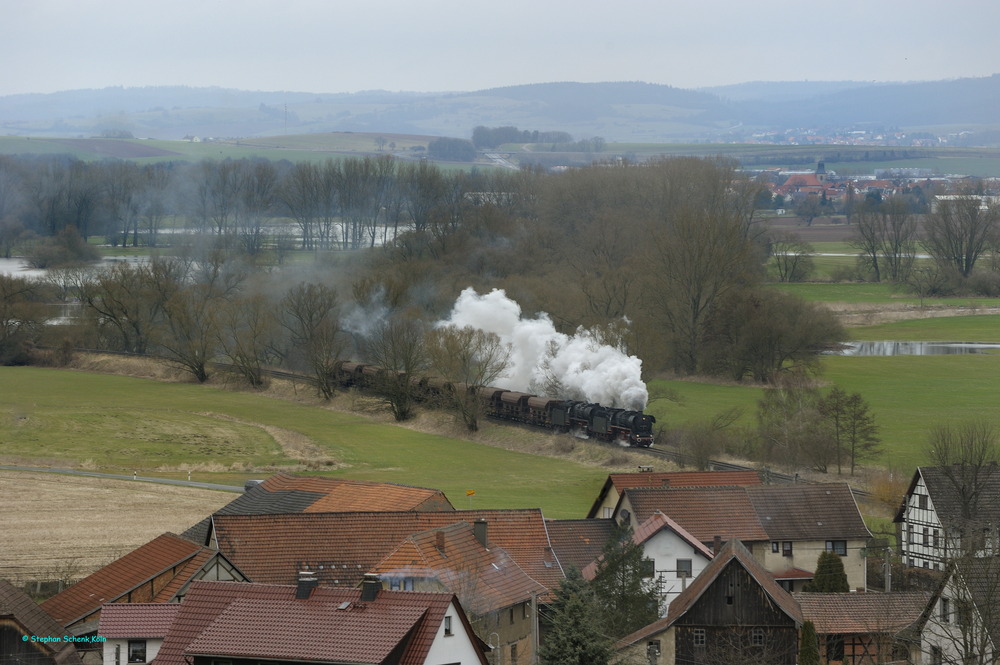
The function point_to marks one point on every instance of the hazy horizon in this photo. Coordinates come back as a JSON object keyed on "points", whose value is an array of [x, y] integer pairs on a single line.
{"points": [[331, 46]]}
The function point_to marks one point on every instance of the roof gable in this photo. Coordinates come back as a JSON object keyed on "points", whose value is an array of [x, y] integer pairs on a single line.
{"points": [[981, 491], [732, 553], [165, 553]]}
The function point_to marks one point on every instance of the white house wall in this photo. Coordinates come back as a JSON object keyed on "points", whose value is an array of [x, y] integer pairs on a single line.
{"points": [[457, 648], [922, 539], [665, 548]]}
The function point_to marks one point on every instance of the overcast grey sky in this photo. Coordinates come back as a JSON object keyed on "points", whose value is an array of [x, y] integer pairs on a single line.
{"points": [[458, 45]]}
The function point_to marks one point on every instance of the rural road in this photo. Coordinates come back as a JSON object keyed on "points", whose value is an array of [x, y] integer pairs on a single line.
{"points": [[145, 479]]}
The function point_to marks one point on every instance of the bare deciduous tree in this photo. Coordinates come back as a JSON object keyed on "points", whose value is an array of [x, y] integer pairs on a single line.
{"points": [[468, 358]]}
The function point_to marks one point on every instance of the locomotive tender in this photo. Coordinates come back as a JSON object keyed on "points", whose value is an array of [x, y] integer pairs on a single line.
{"points": [[633, 428]]}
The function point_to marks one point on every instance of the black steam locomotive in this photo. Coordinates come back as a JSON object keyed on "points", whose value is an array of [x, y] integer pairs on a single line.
{"points": [[632, 428]]}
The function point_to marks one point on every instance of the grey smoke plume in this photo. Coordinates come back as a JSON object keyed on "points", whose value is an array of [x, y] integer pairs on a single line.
{"points": [[547, 362]]}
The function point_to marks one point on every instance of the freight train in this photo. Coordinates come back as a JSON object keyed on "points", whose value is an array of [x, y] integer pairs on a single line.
{"points": [[632, 428]]}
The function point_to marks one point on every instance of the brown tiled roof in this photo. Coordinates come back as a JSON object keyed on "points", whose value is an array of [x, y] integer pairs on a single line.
{"points": [[150, 620], [19, 606], [579, 542], [167, 552], [808, 512], [623, 481], [267, 622], [185, 574], [484, 579], [340, 547], [732, 553], [860, 613], [284, 493], [343, 495], [704, 512]]}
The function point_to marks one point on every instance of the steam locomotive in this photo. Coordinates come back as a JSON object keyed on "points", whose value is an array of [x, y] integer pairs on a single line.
{"points": [[632, 428]]}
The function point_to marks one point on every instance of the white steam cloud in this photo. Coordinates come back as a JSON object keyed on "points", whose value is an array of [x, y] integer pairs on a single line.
{"points": [[547, 362]]}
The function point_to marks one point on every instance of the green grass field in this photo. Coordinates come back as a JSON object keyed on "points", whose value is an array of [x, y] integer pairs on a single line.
{"points": [[121, 424]]}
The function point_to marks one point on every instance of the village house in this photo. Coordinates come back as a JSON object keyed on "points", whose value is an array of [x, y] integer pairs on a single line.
{"points": [[865, 628], [786, 527], [134, 632], [946, 512], [734, 612], [21, 620], [673, 555], [259, 624], [158, 572], [961, 622], [338, 549]]}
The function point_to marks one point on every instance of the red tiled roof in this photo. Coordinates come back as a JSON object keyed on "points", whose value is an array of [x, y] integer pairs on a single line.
{"points": [[184, 575], [340, 547], [704, 512], [579, 542], [793, 574], [484, 579], [266, 621], [291, 630], [137, 619], [343, 495], [860, 613], [160, 555]]}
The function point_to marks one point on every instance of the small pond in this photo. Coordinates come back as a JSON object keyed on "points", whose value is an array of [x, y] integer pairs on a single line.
{"points": [[916, 348]]}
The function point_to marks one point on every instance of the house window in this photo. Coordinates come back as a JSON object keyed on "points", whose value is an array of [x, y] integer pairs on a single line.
{"points": [[922, 501], [401, 584], [834, 648], [683, 568], [909, 533], [137, 651], [513, 654], [937, 656], [945, 610], [837, 547], [648, 568], [757, 637], [963, 613], [927, 537], [653, 647], [609, 512], [786, 548], [775, 547], [698, 637], [934, 538], [447, 627], [512, 615]]}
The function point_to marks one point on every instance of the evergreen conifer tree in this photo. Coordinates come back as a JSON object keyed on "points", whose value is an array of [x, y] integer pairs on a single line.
{"points": [[808, 645], [573, 635], [625, 587], [830, 576]]}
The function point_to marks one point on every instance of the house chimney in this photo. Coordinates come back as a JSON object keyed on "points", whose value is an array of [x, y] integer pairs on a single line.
{"points": [[479, 529], [439, 541], [665, 482], [307, 582], [716, 545], [370, 586]]}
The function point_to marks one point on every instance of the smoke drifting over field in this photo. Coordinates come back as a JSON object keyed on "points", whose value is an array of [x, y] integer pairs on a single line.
{"points": [[547, 362]]}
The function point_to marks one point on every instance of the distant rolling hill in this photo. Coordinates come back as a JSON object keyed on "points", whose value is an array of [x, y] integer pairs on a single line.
{"points": [[618, 111]]}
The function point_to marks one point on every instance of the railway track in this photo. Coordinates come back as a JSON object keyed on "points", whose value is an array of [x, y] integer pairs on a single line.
{"points": [[768, 476]]}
